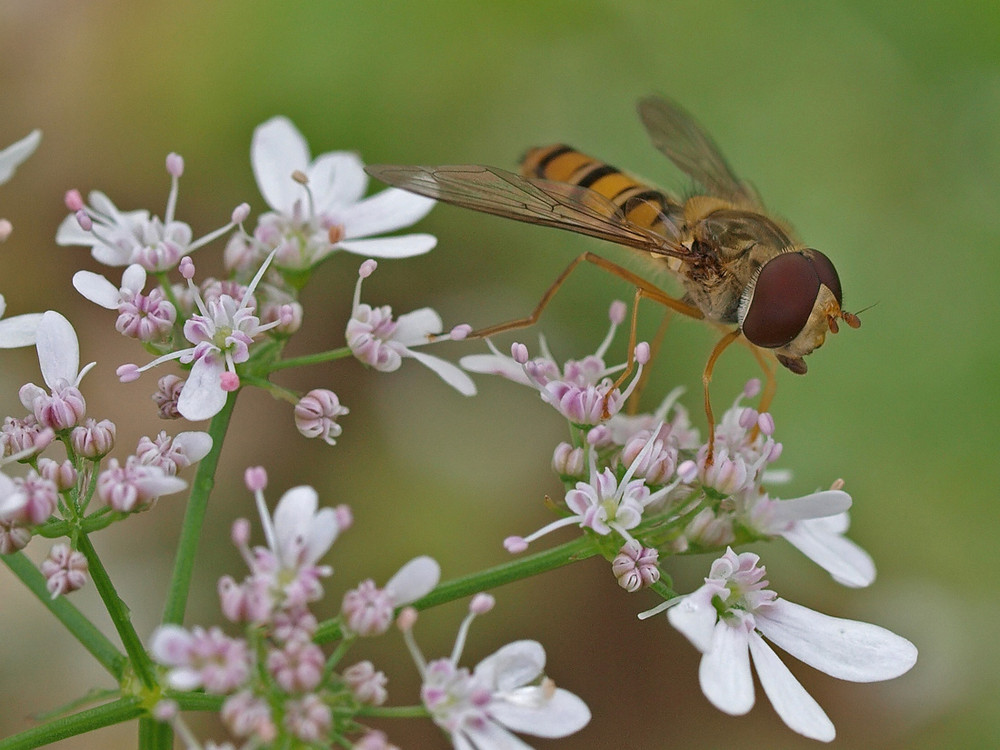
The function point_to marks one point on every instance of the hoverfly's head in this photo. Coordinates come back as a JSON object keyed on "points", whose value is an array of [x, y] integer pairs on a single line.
{"points": [[791, 303]]}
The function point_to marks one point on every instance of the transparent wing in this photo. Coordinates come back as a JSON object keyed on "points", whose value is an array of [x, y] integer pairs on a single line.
{"points": [[677, 135], [535, 201]]}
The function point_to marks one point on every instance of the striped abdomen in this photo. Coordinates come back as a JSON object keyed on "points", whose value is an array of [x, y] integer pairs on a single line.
{"points": [[641, 204]]}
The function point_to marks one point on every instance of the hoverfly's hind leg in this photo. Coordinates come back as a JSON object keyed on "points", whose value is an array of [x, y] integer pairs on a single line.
{"points": [[647, 290], [706, 378]]}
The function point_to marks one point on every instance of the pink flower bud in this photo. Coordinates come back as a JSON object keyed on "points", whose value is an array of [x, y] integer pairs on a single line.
{"points": [[65, 570], [93, 439], [240, 213], [73, 200], [316, 414], [175, 164], [63, 475], [367, 268], [255, 478], [367, 685]]}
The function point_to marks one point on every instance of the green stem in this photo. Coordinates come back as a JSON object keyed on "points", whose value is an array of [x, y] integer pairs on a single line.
{"points": [[312, 359], [82, 629], [155, 735], [194, 517], [120, 614], [525, 567], [116, 712]]}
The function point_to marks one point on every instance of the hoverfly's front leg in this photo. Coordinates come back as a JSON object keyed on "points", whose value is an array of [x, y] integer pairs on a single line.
{"points": [[706, 378]]}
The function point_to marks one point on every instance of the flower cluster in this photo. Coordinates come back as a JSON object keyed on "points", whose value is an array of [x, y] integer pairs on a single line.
{"points": [[223, 330], [643, 486], [56, 490], [282, 688]]}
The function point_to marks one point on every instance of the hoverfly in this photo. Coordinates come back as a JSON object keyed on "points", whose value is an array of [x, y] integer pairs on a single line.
{"points": [[737, 265]]}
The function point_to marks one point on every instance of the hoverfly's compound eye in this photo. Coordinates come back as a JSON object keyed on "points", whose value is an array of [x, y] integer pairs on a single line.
{"points": [[827, 274], [776, 308]]}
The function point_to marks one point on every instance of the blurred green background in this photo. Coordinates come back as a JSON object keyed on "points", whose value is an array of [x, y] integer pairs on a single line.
{"points": [[873, 127]]}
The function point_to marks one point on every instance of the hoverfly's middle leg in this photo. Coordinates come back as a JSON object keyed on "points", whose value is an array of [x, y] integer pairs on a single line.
{"points": [[770, 385], [706, 378]]}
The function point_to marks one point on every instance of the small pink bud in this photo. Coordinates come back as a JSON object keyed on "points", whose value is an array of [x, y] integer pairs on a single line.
{"points": [[459, 332], [165, 710], [84, 220], [642, 352], [748, 418], [766, 423], [73, 200], [240, 213], [186, 267], [344, 516], [687, 471], [5, 229], [519, 352], [752, 388], [255, 478], [367, 268], [128, 373], [175, 164], [230, 381], [481, 604], [515, 544], [240, 533], [617, 311], [407, 619], [63, 475]]}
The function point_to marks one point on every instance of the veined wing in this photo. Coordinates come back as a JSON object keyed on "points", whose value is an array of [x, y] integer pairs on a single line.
{"points": [[532, 200], [677, 135]]}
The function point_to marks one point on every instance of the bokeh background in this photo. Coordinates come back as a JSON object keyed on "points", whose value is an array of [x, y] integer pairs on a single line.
{"points": [[872, 126]]}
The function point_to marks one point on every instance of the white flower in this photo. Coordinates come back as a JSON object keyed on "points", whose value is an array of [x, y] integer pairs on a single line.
{"points": [[322, 208], [299, 534], [14, 155], [382, 342], [19, 330], [222, 332], [846, 649], [59, 359], [120, 238], [506, 692]]}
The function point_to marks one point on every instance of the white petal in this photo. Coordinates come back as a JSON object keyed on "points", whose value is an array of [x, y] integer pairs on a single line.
{"points": [[724, 672], [337, 179], [561, 715], [169, 645], [111, 255], [413, 580], [134, 278], [3, 305], [71, 233], [19, 330], [839, 556], [12, 156], [413, 328], [448, 372], [58, 349], [195, 444], [403, 246], [383, 212], [276, 150], [794, 705], [303, 535], [295, 511], [490, 736], [816, 505], [12, 497], [493, 364], [846, 649], [97, 289], [695, 617], [202, 396], [184, 678], [512, 666]]}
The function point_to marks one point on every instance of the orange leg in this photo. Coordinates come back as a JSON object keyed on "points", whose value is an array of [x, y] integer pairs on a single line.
{"points": [[647, 290], [706, 378]]}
